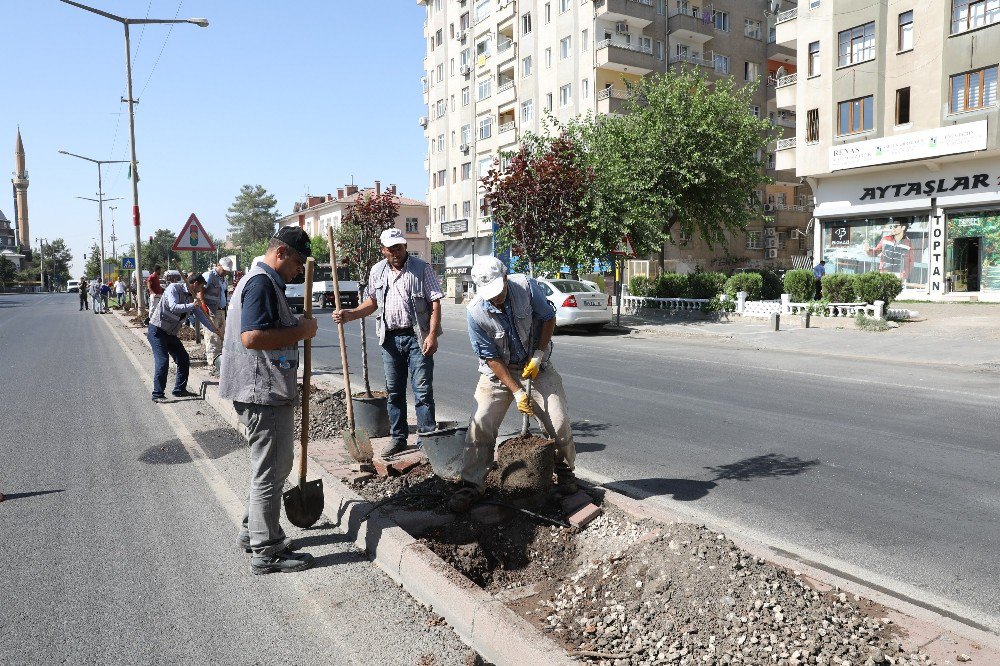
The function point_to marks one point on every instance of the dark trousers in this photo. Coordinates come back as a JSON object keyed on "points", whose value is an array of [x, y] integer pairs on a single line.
{"points": [[165, 345], [401, 356], [83, 301]]}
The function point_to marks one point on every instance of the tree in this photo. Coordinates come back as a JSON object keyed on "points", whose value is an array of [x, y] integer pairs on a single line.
{"points": [[320, 249], [57, 258], [7, 272], [253, 215], [92, 269], [685, 155], [358, 241], [158, 250]]}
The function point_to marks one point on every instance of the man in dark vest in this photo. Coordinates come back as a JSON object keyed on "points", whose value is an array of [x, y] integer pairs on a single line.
{"points": [[260, 358], [84, 285], [407, 293]]}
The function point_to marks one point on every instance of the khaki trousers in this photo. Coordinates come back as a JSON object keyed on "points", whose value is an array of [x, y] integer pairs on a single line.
{"points": [[213, 342], [493, 399]]}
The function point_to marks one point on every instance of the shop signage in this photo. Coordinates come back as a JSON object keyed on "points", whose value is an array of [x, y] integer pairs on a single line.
{"points": [[458, 270], [455, 226], [933, 186], [840, 235], [950, 140]]}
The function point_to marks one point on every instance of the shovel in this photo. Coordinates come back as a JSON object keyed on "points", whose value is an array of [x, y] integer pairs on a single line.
{"points": [[304, 502], [524, 417], [358, 443]]}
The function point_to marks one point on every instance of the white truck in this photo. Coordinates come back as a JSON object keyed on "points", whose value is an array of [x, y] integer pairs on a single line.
{"points": [[322, 288]]}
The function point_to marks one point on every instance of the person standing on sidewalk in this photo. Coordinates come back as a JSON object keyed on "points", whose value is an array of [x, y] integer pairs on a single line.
{"points": [[83, 293], [95, 295], [510, 327], [215, 299], [260, 360], [154, 288], [120, 292], [105, 295], [407, 292], [179, 300], [819, 270]]}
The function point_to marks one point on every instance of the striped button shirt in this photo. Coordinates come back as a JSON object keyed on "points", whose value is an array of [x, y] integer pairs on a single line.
{"points": [[397, 310]]}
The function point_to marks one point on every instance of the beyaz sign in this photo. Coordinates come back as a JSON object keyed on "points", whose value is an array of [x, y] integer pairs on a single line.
{"points": [[928, 144]]}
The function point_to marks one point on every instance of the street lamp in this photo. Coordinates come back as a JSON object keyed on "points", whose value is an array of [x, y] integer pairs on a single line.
{"points": [[100, 194], [126, 22], [41, 261]]}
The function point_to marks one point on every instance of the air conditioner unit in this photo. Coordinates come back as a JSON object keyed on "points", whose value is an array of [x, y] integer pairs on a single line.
{"points": [[770, 243], [769, 232], [460, 35], [423, 121], [621, 28], [465, 70], [768, 208], [772, 253], [464, 147]]}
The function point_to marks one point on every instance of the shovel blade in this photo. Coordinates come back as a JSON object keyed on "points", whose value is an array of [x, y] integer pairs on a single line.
{"points": [[359, 445], [304, 504]]}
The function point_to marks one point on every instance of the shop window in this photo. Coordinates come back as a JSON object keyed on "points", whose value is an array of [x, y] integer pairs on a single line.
{"points": [[894, 245], [903, 106]]}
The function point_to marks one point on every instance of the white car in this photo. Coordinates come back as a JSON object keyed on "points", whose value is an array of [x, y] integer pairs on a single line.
{"points": [[577, 303]]}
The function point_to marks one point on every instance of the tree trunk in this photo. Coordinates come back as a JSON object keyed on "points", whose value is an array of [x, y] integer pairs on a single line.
{"points": [[364, 357]]}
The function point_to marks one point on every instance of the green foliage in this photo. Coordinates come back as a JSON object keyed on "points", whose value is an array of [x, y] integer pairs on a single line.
{"points": [[705, 285], [751, 283], [364, 221], [874, 324], [772, 286], [639, 285], [158, 251], [248, 252], [818, 308], [437, 252], [670, 285], [253, 215], [7, 272], [800, 285], [720, 303], [320, 249], [871, 287], [92, 268], [839, 287]]}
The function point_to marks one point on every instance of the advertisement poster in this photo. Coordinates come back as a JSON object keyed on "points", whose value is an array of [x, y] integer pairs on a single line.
{"points": [[896, 245]]}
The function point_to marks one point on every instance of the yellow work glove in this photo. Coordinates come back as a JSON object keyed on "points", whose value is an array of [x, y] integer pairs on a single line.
{"points": [[524, 403], [533, 367]]}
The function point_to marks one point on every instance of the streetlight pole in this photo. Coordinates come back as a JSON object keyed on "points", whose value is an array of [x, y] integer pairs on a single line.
{"points": [[114, 251], [100, 200], [126, 22], [41, 262], [100, 194]]}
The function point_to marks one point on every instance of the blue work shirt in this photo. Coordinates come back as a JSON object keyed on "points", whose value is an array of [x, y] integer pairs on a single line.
{"points": [[260, 303], [484, 346]]}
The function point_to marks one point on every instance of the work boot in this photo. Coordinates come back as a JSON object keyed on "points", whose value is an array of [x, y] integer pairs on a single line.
{"points": [[284, 562], [464, 498], [565, 480], [397, 446], [243, 541], [185, 394], [160, 398]]}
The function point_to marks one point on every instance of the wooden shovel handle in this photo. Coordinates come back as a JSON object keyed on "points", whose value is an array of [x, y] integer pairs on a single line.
{"points": [[340, 331], [306, 374]]}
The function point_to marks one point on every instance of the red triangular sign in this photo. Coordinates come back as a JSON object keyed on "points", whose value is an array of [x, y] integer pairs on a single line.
{"points": [[624, 247], [193, 237]]}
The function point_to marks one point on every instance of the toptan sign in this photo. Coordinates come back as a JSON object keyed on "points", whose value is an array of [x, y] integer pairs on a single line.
{"points": [[927, 144]]}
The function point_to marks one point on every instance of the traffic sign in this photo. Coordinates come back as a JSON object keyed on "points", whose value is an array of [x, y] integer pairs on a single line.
{"points": [[193, 237], [624, 247], [128, 263]]}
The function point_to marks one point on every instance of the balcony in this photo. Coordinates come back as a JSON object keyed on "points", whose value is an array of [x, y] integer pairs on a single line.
{"points": [[505, 93], [690, 26], [505, 10], [611, 100], [783, 119], [788, 215], [785, 92], [784, 158], [786, 27], [505, 49], [506, 127], [623, 57], [638, 13], [693, 58]]}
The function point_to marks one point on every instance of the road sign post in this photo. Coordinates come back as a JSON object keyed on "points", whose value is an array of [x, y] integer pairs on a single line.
{"points": [[618, 255], [193, 238]]}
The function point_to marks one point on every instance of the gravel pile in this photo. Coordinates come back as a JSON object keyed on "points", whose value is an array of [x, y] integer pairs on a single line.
{"points": [[681, 594], [327, 414]]}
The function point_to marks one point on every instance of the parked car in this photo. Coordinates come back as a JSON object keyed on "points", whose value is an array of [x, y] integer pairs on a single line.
{"points": [[72, 286], [577, 304]]}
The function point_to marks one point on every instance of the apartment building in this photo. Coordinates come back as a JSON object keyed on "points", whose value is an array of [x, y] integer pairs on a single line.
{"points": [[494, 67], [900, 138], [318, 213]]}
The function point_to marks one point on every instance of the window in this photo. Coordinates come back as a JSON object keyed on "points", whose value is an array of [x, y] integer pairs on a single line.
{"points": [[646, 44], [813, 62], [782, 239], [721, 64], [466, 209], [466, 170], [452, 103], [548, 101], [440, 72], [439, 37], [973, 90], [661, 51], [548, 58], [751, 28], [905, 31], [483, 48], [754, 240], [661, 7], [565, 47], [970, 14], [585, 90], [721, 20], [441, 213], [463, 21], [526, 23], [902, 106], [464, 57], [485, 88], [412, 225], [755, 110], [485, 127], [466, 96], [451, 66], [466, 134], [454, 211], [482, 9], [440, 143], [584, 41], [854, 115], [526, 66], [856, 44], [812, 125], [751, 71], [483, 166], [548, 11], [440, 180], [527, 110], [439, 108], [563, 6], [566, 95]]}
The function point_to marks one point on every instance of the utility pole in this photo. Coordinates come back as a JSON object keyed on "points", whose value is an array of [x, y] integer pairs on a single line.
{"points": [[41, 261]]}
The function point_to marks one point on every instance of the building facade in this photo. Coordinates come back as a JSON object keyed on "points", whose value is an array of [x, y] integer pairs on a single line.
{"points": [[900, 139], [493, 68], [318, 213]]}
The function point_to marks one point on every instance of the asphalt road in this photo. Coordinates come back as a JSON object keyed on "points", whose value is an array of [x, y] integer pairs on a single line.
{"points": [[119, 526], [884, 471]]}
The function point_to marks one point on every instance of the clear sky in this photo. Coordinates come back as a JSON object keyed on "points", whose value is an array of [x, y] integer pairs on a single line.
{"points": [[296, 96]]}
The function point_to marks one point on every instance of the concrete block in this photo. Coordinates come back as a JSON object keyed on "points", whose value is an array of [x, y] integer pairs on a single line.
{"points": [[403, 464], [382, 468], [357, 476], [575, 501], [775, 321], [418, 522], [584, 515]]}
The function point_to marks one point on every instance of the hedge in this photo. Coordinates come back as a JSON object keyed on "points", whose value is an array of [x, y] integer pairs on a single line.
{"points": [[638, 285], [871, 287], [705, 285], [772, 287], [838, 288], [752, 283], [800, 285], [670, 285]]}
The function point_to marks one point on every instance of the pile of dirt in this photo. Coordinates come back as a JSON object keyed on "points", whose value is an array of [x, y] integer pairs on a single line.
{"points": [[682, 594], [525, 466], [186, 334], [327, 414]]}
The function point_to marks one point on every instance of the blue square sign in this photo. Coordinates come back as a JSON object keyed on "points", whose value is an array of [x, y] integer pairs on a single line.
{"points": [[128, 263]]}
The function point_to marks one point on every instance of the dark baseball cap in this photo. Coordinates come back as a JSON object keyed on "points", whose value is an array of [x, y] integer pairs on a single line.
{"points": [[296, 238]]}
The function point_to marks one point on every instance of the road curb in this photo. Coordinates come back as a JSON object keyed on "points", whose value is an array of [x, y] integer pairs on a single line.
{"points": [[479, 619]]}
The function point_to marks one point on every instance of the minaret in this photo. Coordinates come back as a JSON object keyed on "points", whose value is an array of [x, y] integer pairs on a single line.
{"points": [[20, 181]]}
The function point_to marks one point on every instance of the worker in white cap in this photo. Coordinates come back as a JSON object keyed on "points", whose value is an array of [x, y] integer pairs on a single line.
{"points": [[510, 326], [215, 301]]}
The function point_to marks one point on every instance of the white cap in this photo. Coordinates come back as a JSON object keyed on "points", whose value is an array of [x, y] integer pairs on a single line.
{"points": [[171, 274], [392, 236], [488, 275], [227, 264]]}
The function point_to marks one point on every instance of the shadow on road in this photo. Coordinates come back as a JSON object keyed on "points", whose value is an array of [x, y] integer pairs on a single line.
{"points": [[764, 466], [217, 443], [13, 496], [588, 430]]}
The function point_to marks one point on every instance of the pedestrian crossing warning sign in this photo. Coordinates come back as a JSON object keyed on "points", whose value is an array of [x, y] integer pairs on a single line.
{"points": [[193, 237]]}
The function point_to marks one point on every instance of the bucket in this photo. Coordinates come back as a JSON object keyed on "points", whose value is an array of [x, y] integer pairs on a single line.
{"points": [[445, 449], [372, 414]]}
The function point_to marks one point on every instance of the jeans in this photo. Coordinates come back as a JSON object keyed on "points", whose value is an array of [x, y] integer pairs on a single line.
{"points": [[164, 344], [97, 303], [401, 355], [268, 429]]}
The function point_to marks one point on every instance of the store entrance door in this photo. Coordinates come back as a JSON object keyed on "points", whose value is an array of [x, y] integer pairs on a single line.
{"points": [[967, 266]]}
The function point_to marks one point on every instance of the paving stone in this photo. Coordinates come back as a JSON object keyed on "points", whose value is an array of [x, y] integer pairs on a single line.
{"points": [[582, 517], [417, 522], [406, 462], [575, 501]]}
